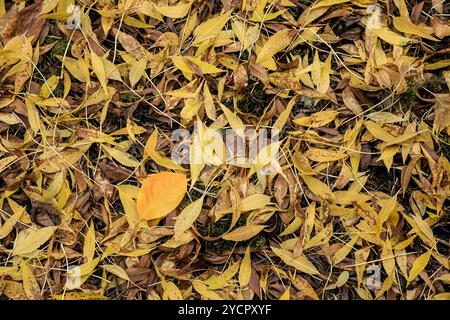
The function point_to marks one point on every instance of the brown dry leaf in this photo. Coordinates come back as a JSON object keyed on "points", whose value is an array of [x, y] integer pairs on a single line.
{"points": [[350, 101]]}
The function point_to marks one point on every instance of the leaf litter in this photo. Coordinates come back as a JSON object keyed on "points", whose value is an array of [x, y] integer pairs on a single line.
{"points": [[93, 205]]}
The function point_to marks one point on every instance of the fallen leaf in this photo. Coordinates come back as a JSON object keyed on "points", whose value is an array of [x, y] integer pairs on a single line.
{"points": [[153, 200]]}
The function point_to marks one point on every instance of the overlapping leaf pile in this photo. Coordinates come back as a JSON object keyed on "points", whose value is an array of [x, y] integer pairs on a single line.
{"points": [[91, 92]]}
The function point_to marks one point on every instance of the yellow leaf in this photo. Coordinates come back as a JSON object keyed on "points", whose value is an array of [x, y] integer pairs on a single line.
{"points": [[320, 238], [128, 195], [387, 207], [231, 271], [76, 295], [171, 291], [54, 187], [33, 117], [318, 119], [387, 155], [251, 36], [341, 280], [99, 70], [9, 118], [180, 10], [327, 3], [267, 158], [361, 256], [196, 158], [320, 73], [179, 241], [154, 201], [137, 71], [253, 202], [243, 233], [295, 224], [401, 5], [301, 284], [112, 71], [310, 220], [182, 63], [188, 216], [324, 155], [245, 270], [150, 151], [284, 116], [211, 27], [405, 243], [216, 282], [30, 285], [301, 263], [53, 102], [402, 261], [406, 26], [30, 240], [208, 102], [444, 278], [343, 252], [425, 228], [378, 132], [49, 86], [442, 296], [204, 291], [419, 264], [387, 257], [82, 270], [387, 284], [286, 294], [436, 65], [393, 38], [276, 43], [318, 187], [5, 162], [89, 243], [9, 224], [116, 270], [235, 122], [213, 148], [78, 68], [122, 157], [48, 5]]}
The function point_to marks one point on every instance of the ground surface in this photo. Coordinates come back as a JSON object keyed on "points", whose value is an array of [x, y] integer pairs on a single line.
{"points": [[356, 207]]}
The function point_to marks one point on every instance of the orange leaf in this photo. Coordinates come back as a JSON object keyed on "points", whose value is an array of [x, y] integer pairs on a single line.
{"points": [[160, 194]]}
